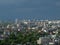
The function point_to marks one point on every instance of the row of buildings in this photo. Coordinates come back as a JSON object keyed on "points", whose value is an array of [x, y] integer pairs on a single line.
{"points": [[50, 27]]}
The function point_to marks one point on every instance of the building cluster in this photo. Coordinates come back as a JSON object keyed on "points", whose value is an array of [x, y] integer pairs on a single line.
{"points": [[50, 27]]}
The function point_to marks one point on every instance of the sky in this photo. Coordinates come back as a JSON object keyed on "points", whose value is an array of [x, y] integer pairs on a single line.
{"points": [[29, 9]]}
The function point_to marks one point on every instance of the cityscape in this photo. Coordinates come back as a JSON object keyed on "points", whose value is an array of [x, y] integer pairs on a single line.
{"points": [[30, 32], [29, 22]]}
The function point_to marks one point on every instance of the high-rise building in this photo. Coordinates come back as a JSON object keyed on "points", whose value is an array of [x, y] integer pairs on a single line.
{"points": [[16, 21]]}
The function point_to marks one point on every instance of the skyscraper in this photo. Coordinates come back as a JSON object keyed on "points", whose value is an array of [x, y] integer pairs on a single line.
{"points": [[16, 21]]}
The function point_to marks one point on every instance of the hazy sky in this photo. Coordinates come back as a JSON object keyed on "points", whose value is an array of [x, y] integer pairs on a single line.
{"points": [[29, 9]]}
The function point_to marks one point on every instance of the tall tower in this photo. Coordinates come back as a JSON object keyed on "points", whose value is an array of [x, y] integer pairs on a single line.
{"points": [[16, 21], [44, 25]]}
